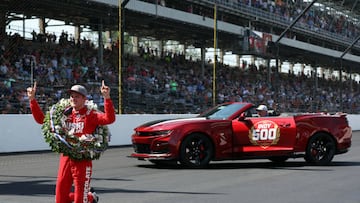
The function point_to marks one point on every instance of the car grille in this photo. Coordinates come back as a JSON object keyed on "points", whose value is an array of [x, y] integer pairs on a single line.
{"points": [[142, 148]]}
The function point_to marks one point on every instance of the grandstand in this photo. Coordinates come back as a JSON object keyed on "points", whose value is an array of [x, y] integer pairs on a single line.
{"points": [[157, 80]]}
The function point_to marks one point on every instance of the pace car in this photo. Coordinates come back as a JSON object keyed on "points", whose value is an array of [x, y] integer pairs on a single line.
{"points": [[233, 131]]}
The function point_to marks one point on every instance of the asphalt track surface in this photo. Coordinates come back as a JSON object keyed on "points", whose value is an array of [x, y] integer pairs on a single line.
{"points": [[30, 178]]}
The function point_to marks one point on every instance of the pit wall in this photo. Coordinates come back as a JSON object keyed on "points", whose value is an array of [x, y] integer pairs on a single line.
{"points": [[20, 133]]}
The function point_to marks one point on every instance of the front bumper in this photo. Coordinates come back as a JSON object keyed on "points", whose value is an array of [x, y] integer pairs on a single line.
{"points": [[157, 151], [152, 156]]}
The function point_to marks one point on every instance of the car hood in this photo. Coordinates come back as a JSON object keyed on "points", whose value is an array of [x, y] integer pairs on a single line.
{"points": [[166, 124]]}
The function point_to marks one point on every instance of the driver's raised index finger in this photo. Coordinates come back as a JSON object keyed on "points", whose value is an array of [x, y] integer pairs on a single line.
{"points": [[35, 85], [103, 83]]}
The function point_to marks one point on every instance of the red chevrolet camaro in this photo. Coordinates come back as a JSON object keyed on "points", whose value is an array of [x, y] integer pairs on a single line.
{"points": [[234, 131]]}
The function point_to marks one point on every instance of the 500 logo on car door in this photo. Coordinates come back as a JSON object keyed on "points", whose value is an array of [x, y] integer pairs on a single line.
{"points": [[264, 133]]}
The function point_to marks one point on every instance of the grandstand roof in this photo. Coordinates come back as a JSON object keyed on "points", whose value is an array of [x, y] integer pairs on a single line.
{"points": [[91, 13], [73, 12]]}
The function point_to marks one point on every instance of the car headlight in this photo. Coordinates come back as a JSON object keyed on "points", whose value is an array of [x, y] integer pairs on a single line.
{"points": [[154, 133]]}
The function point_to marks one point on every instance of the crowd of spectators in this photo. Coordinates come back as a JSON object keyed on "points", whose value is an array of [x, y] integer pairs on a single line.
{"points": [[156, 82], [316, 18], [172, 84], [55, 67], [165, 82]]}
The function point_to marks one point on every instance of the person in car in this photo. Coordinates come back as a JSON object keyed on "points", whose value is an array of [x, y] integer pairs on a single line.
{"points": [[262, 110]]}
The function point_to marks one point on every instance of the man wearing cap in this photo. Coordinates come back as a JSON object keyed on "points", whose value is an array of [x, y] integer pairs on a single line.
{"points": [[262, 110], [81, 121]]}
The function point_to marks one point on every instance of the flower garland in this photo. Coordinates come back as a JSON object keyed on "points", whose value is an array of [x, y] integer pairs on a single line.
{"points": [[86, 147]]}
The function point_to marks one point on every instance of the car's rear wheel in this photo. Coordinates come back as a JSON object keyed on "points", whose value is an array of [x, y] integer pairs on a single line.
{"points": [[320, 149], [196, 151]]}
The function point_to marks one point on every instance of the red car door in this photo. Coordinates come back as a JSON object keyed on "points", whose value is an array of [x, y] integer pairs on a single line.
{"points": [[264, 135]]}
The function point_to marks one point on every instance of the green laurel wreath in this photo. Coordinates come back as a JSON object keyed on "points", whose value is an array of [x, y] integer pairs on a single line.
{"points": [[60, 140]]}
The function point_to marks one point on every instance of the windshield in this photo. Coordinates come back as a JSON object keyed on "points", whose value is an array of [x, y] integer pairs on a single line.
{"points": [[223, 111]]}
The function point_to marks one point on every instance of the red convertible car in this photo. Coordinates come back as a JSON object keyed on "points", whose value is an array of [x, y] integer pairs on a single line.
{"points": [[234, 131]]}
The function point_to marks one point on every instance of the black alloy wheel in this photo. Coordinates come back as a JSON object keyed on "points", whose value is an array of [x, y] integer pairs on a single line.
{"points": [[196, 151], [320, 150]]}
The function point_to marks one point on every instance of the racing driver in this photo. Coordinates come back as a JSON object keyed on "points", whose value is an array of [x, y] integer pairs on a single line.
{"points": [[76, 172]]}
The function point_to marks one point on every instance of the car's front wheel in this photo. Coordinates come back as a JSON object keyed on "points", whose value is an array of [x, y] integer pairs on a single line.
{"points": [[196, 151], [320, 149]]}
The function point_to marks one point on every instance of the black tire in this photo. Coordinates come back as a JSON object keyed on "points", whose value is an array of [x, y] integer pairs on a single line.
{"points": [[320, 150], [279, 159], [196, 151]]}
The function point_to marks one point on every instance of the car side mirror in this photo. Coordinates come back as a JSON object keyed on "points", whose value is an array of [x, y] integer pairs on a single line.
{"points": [[242, 116]]}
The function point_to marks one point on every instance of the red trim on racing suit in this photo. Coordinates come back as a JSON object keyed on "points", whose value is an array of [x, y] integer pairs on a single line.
{"points": [[74, 171]]}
